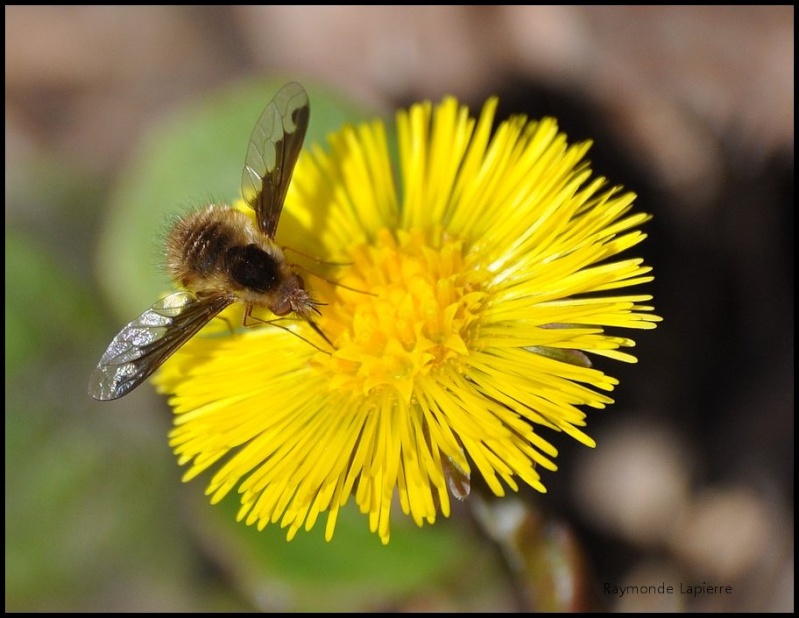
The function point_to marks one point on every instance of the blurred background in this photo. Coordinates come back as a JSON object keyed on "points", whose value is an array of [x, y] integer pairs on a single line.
{"points": [[692, 480]]}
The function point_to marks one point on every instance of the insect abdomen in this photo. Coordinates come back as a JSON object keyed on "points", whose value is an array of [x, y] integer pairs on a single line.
{"points": [[205, 247]]}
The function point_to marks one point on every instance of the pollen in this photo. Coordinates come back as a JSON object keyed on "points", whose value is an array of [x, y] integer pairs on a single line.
{"points": [[419, 310]]}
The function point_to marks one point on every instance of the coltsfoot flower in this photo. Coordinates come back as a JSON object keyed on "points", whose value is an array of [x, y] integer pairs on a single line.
{"points": [[469, 290]]}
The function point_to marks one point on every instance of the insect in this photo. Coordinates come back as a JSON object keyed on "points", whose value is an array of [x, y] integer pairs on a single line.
{"points": [[219, 256]]}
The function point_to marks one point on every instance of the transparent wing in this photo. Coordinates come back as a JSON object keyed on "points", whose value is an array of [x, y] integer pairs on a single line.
{"points": [[275, 144], [144, 344]]}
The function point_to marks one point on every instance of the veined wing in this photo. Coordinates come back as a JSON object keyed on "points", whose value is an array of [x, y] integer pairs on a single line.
{"points": [[275, 144], [144, 344]]}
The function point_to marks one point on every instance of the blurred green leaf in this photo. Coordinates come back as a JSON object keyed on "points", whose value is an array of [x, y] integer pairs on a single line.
{"points": [[48, 308], [352, 572]]}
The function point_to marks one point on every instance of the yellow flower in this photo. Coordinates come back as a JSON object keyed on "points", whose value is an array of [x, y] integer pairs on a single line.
{"points": [[469, 289]]}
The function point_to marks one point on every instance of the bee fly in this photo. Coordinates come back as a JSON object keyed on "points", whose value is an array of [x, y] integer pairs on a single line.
{"points": [[219, 257]]}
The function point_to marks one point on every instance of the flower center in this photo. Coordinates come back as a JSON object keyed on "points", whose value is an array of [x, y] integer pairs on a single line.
{"points": [[418, 310]]}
